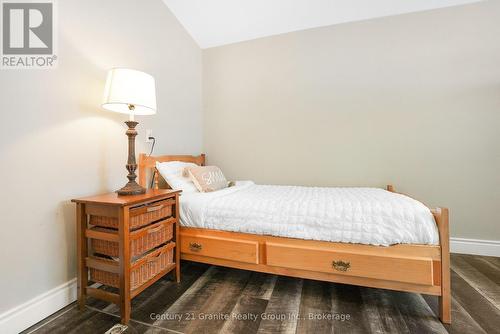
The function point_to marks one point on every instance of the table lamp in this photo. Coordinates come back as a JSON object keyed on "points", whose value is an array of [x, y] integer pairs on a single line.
{"points": [[130, 92]]}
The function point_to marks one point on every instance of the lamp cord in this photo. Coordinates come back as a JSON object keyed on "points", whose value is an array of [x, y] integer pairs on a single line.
{"points": [[152, 146], [154, 170]]}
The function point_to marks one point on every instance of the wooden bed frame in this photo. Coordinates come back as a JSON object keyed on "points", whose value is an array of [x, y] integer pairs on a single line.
{"points": [[404, 267]]}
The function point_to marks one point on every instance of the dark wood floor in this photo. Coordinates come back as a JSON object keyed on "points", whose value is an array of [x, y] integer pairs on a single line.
{"points": [[277, 304]]}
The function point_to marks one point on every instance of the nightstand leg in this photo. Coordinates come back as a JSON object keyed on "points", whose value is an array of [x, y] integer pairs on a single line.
{"points": [[177, 273], [124, 247], [125, 310], [82, 253], [177, 255], [177, 243]]}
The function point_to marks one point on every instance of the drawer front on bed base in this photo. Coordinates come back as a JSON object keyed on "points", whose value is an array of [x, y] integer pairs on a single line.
{"points": [[221, 248], [416, 270]]}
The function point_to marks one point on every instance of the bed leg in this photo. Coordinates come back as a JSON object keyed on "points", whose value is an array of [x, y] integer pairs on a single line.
{"points": [[445, 309], [442, 217]]}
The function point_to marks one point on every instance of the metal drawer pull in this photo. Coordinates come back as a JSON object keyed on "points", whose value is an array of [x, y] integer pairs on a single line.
{"points": [[154, 208], [341, 265], [195, 247]]}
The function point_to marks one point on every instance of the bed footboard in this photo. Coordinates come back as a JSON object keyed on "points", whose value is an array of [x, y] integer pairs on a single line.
{"points": [[441, 216]]}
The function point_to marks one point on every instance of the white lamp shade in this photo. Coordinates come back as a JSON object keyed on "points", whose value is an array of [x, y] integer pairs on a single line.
{"points": [[126, 87]]}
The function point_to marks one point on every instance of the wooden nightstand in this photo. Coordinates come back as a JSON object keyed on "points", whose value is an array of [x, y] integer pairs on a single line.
{"points": [[126, 242]]}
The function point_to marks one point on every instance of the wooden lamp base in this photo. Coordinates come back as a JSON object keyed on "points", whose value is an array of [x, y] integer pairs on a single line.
{"points": [[132, 187]]}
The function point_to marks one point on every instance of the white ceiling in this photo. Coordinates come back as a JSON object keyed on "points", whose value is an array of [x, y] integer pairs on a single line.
{"points": [[218, 22]]}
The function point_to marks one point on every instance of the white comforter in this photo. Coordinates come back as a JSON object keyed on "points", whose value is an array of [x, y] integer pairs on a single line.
{"points": [[356, 215]]}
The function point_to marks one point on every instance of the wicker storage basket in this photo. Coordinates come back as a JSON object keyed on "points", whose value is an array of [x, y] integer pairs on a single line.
{"points": [[139, 216], [141, 241], [141, 270]]}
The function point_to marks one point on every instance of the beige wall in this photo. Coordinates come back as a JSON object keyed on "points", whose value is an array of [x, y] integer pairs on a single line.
{"points": [[57, 143], [412, 100]]}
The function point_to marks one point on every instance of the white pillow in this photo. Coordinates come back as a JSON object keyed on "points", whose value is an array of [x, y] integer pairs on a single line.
{"points": [[172, 173]]}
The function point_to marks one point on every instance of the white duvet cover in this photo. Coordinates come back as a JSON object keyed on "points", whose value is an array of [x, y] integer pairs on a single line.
{"points": [[354, 215]]}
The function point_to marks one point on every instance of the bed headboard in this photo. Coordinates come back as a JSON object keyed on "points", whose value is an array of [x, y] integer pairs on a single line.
{"points": [[149, 163]]}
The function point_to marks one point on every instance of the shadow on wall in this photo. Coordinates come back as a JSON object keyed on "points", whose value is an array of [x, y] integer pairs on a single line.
{"points": [[67, 211]]}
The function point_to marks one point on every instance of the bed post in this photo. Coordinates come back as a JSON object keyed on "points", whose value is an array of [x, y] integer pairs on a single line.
{"points": [[142, 170], [441, 216], [156, 178]]}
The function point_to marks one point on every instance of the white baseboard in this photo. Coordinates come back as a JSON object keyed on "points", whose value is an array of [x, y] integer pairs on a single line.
{"points": [[475, 246], [27, 314]]}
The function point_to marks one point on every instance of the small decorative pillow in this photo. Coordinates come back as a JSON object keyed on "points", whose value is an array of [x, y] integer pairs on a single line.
{"points": [[172, 172], [207, 178]]}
